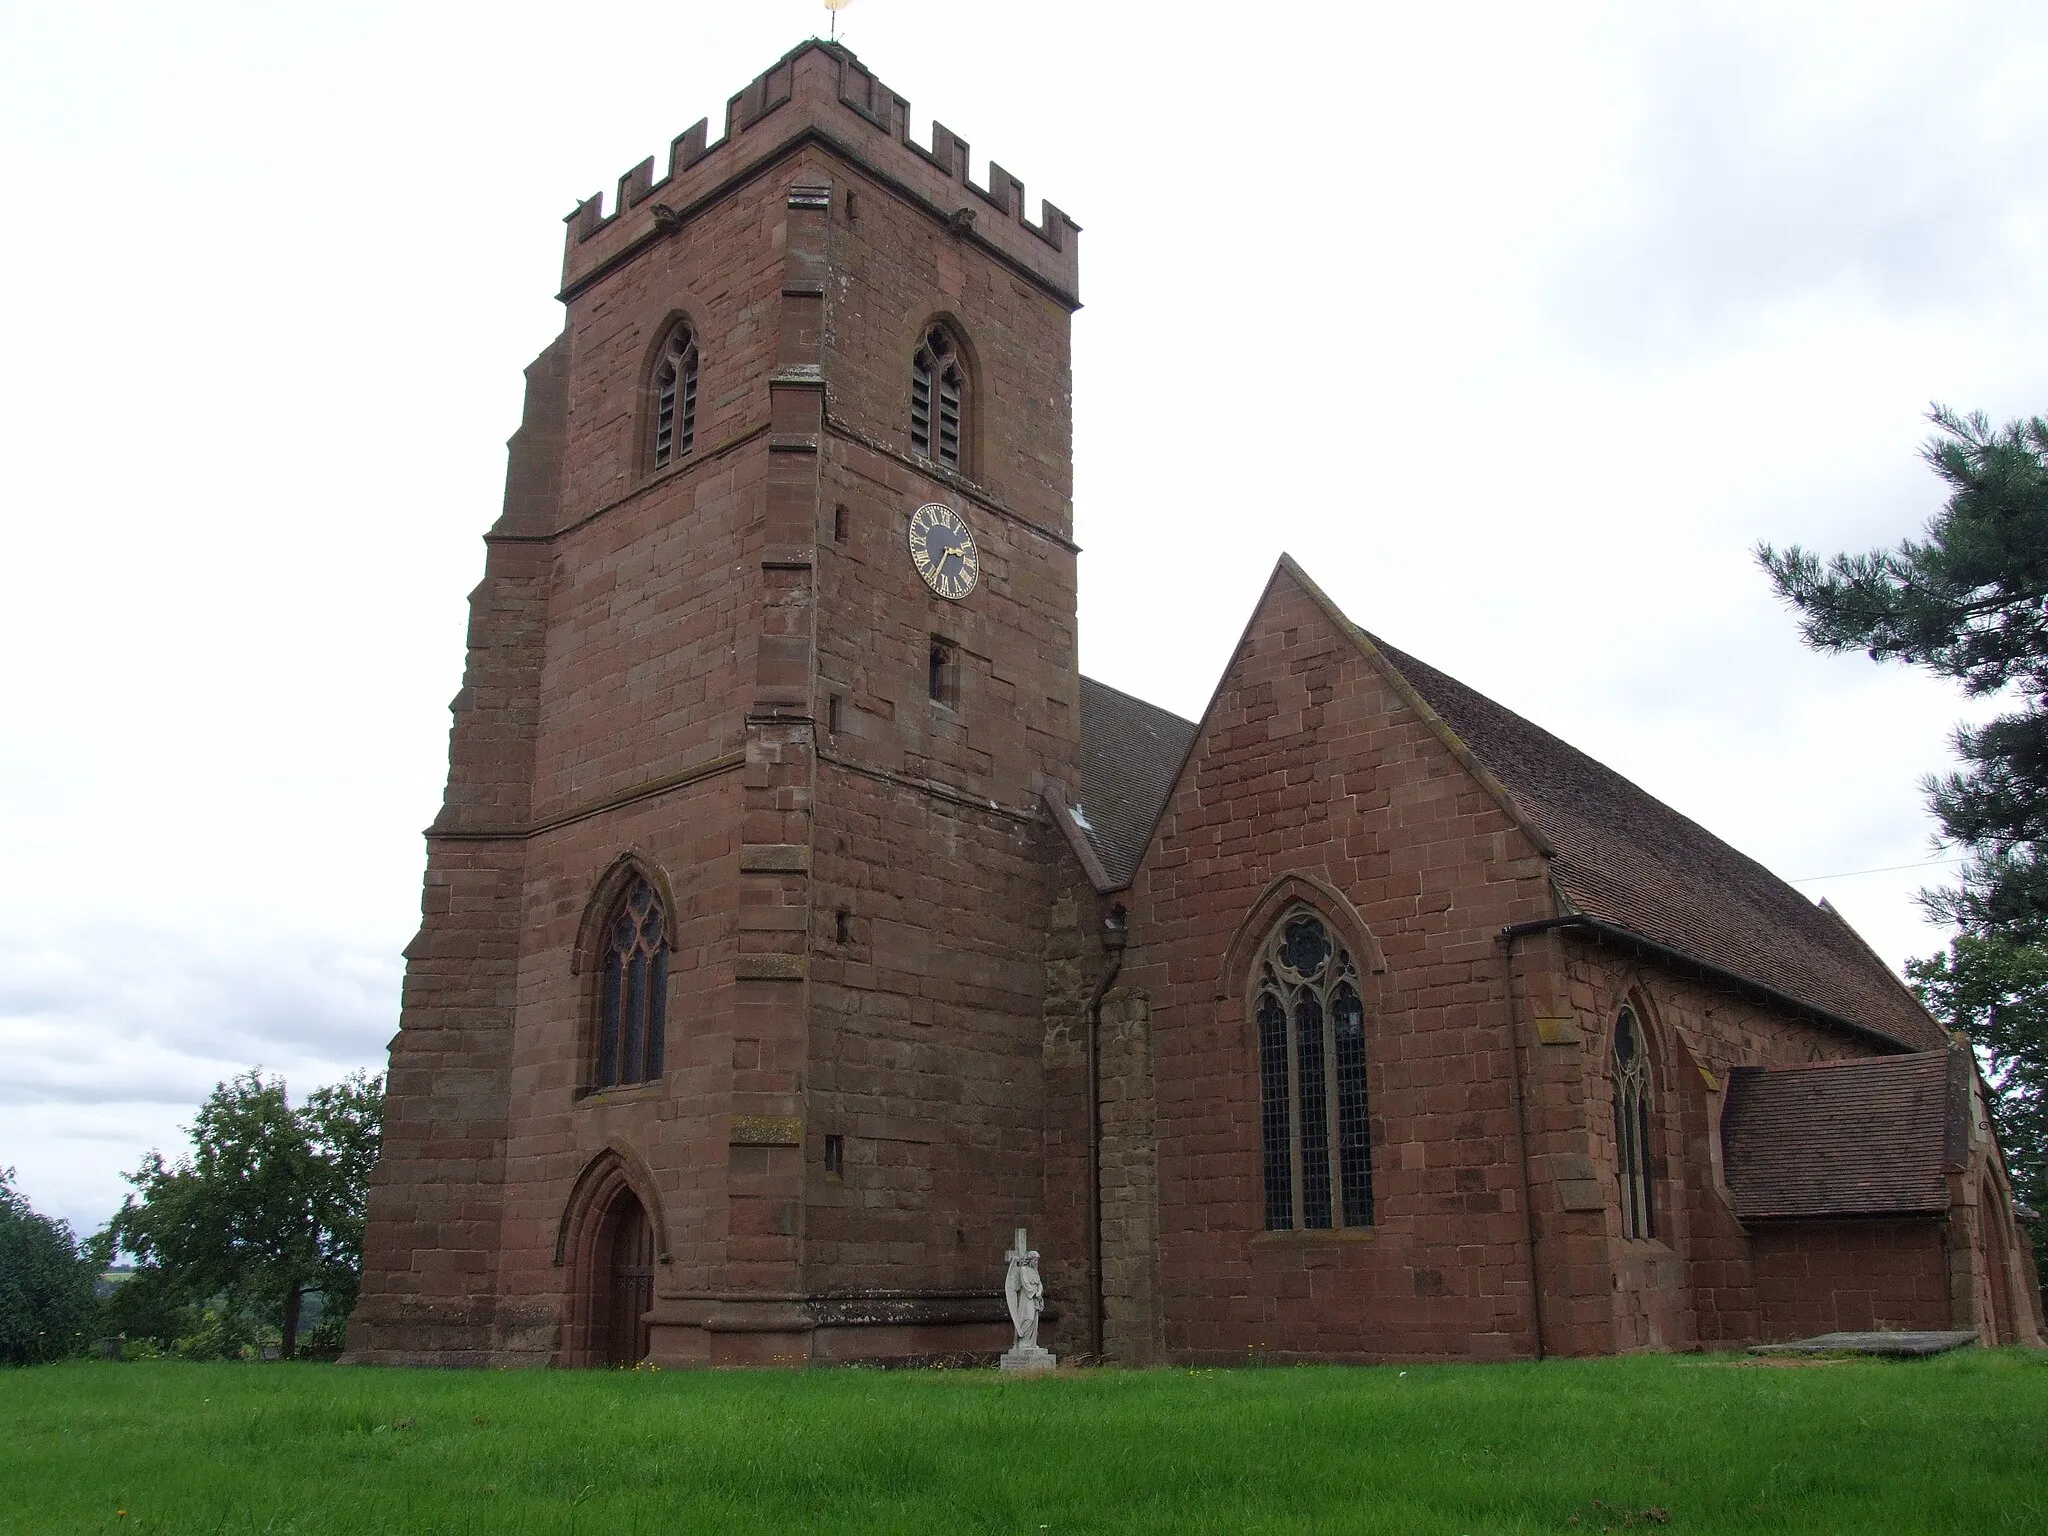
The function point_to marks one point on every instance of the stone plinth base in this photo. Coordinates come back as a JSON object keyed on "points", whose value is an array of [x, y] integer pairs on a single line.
{"points": [[1028, 1359]]}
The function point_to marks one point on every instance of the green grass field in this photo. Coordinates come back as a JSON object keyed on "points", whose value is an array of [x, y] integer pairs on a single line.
{"points": [[1674, 1443]]}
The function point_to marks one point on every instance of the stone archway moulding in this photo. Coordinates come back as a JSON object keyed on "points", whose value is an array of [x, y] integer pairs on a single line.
{"points": [[610, 886], [1296, 886], [1632, 992], [617, 1166]]}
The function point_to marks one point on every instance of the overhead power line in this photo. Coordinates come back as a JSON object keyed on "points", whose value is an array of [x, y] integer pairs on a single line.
{"points": [[1882, 869]]}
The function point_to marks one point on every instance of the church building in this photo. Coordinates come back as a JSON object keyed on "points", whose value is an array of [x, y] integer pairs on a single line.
{"points": [[799, 922]]}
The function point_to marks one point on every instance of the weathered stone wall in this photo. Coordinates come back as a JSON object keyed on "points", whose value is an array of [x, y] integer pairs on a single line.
{"points": [[714, 673], [1690, 1281], [1310, 765], [1824, 1276], [1130, 1180], [925, 1039], [1312, 768], [431, 1251], [1079, 960]]}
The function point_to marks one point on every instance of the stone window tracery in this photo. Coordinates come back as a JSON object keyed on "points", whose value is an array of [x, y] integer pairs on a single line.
{"points": [[632, 1003], [1315, 1136], [675, 397], [1632, 1089], [938, 395]]}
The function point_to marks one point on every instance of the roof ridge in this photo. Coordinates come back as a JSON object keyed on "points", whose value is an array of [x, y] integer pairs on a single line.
{"points": [[1889, 1063], [1439, 727], [1620, 853], [1200, 723], [1607, 771]]}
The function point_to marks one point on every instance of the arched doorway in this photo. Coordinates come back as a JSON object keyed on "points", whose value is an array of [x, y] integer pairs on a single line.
{"points": [[621, 1282], [1999, 1313]]}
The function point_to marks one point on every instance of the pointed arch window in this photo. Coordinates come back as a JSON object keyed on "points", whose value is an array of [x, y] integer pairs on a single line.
{"points": [[938, 399], [632, 1001], [1315, 1134], [675, 397], [1632, 1125]]}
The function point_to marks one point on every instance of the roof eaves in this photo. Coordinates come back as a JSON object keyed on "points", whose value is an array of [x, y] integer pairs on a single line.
{"points": [[1085, 852], [1784, 1211], [1763, 990]]}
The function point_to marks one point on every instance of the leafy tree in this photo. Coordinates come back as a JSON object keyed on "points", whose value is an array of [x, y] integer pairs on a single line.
{"points": [[1996, 992], [268, 1208], [144, 1307], [46, 1283], [1970, 602], [343, 1123]]}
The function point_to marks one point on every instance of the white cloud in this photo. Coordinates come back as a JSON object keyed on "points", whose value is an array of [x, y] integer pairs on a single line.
{"points": [[1518, 327]]}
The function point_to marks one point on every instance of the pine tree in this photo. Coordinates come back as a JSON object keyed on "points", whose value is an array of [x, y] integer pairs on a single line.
{"points": [[1970, 602]]}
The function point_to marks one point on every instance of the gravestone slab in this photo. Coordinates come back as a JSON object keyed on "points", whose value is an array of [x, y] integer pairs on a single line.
{"points": [[1897, 1344]]}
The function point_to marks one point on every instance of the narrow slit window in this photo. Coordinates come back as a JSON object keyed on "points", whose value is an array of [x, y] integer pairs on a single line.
{"points": [[944, 666], [938, 399], [839, 523], [1314, 1129], [842, 927], [675, 397], [835, 1157], [832, 714], [633, 990]]}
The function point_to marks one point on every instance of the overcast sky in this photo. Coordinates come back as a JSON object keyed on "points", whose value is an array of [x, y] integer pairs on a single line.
{"points": [[1518, 326]]}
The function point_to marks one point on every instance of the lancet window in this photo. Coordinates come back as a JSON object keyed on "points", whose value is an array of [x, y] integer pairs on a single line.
{"points": [[632, 1002], [675, 397], [938, 398], [1314, 1131], [1632, 1089]]}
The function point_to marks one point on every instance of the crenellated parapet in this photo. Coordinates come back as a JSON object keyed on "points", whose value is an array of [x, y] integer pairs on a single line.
{"points": [[820, 92]]}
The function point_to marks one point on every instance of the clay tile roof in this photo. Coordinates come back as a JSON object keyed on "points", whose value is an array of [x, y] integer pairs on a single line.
{"points": [[1873, 1136], [1131, 752], [1630, 860]]}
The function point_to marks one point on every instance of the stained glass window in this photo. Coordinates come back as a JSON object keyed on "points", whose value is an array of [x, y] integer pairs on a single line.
{"points": [[1314, 1131], [1632, 1126], [633, 990]]}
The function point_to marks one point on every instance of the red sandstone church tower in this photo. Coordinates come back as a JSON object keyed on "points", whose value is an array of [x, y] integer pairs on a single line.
{"points": [[721, 1033]]}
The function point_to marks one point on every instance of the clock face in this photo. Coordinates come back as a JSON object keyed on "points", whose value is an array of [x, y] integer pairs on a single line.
{"points": [[943, 551]]}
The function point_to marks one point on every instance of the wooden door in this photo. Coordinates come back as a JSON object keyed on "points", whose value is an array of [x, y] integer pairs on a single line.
{"points": [[627, 1290]]}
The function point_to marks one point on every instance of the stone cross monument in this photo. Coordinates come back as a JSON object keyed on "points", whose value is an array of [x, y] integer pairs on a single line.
{"points": [[1025, 1292]]}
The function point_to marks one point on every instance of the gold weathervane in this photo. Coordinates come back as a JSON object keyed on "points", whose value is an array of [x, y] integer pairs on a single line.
{"points": [[835, 7]]}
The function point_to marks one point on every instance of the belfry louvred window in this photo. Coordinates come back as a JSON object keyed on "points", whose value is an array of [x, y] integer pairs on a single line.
{"points": [[675, 397], [1314, 1130], [938, 392], [1632, 1126], [632, 998]]}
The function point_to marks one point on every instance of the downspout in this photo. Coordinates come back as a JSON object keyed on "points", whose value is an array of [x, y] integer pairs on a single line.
{"points": [[1114, 936], [1507, 938]]}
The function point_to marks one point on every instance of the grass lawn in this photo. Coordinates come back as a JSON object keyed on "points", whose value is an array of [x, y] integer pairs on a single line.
{"points": [[1683, 1443]]}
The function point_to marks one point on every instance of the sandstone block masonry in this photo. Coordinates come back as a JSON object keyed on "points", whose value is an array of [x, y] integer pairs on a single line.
{"points": [[792, 933], [712, 674]]}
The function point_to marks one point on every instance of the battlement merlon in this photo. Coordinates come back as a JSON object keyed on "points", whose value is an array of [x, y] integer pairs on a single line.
{"points": [[820, 92]]}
